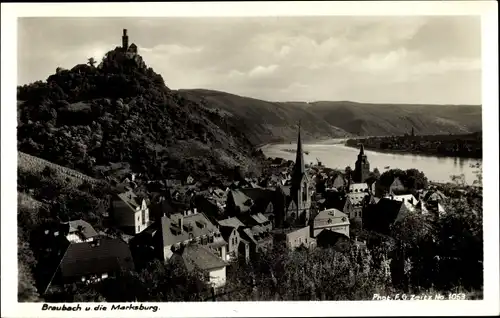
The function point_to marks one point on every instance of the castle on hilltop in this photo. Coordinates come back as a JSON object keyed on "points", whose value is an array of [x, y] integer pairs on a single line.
{"points": [[123, 54], [125, 47]]}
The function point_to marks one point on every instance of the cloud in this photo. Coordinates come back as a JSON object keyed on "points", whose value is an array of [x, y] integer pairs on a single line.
{"points": [[278, 58], [172, 49], [260, 71]]}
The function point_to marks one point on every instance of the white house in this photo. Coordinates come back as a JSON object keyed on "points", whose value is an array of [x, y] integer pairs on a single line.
{"points": [[358, 187], [130, 213], [331, 219], [197, 256]]}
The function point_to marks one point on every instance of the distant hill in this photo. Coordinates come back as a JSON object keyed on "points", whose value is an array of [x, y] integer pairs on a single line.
{"points": [[325, 119], [398, 119], [266, 121]]}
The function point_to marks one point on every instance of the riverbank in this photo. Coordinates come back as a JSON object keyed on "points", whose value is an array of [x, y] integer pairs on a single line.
{"points": [[403, 152], [467, 146], [339, 156]]}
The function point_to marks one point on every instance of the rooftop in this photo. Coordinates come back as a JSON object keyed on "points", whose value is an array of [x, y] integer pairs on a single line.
{"points": [[195, 255], [193, 225], [109, 255], [83, 228]]}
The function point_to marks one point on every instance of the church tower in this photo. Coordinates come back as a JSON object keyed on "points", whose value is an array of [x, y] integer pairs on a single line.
{"points": [[362, 167], [125, 40], [300, 188]]}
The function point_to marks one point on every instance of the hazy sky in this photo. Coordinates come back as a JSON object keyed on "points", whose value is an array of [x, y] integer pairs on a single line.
{"points": [[367, 59]]}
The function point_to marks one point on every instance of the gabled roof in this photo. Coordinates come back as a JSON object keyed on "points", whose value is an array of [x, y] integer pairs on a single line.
{"points": [[226, 232], [406, 197], [231, 222], [386, 212], [259, 218], [194, 225], [82, 228], [240, 200], [131, 199], [284, 189], [195, 255], [331, 217], [434, 196], [82, 259]]}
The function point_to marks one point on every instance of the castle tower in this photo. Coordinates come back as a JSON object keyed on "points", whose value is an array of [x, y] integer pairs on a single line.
{"points": [[125, 40], [300, 188], [362, 167]]}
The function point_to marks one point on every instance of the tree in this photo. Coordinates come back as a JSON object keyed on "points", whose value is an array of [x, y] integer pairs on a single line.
{"points": [[91, 62]]}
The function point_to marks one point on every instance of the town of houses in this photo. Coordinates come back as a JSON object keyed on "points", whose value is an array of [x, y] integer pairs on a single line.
{"points": [[211, 226]]}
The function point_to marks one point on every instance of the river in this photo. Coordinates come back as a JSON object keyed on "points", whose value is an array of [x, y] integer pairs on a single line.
{"points": [[334, 154]]}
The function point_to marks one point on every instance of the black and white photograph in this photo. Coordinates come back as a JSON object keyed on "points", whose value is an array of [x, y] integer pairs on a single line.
{"points": [[273, 158]]}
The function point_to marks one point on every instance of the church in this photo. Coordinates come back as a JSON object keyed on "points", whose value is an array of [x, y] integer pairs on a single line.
{"points": [[362, 167], [296, 211]]}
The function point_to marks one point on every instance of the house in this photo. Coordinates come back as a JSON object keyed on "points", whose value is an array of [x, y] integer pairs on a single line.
{"points": [[435, 207], [258, 238], [238, 202], [408, 199], [211, 206], [354, 204], [338, 182], [329, 238], [293, 238], [242, 246], [198, 256], [358, 187], [92, 261], [434, 195], [396, 186], [259, 219], [78, 231], [232, 237], [332, 220], [379, 217], [177, 230], [130, 213], [421, 208], [231, 222]]}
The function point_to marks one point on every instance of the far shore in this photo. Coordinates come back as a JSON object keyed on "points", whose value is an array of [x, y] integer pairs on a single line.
{"points": [[406, 152]]}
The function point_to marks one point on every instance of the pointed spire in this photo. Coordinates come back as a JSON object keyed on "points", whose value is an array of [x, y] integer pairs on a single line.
{"points": [[362, 150], [299, 168]]}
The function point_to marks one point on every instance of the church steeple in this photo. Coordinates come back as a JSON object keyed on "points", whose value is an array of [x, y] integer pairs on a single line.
{"points": [[299, 169], [299, 191], [362, 166]]}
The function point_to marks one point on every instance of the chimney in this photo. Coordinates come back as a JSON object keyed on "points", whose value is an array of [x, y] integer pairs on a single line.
{"points": [[180, 222]]}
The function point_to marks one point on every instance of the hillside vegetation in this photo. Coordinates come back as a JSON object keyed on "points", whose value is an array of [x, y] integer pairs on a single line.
{"points": [[121, 111], [275, 121], [267, 121]]}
